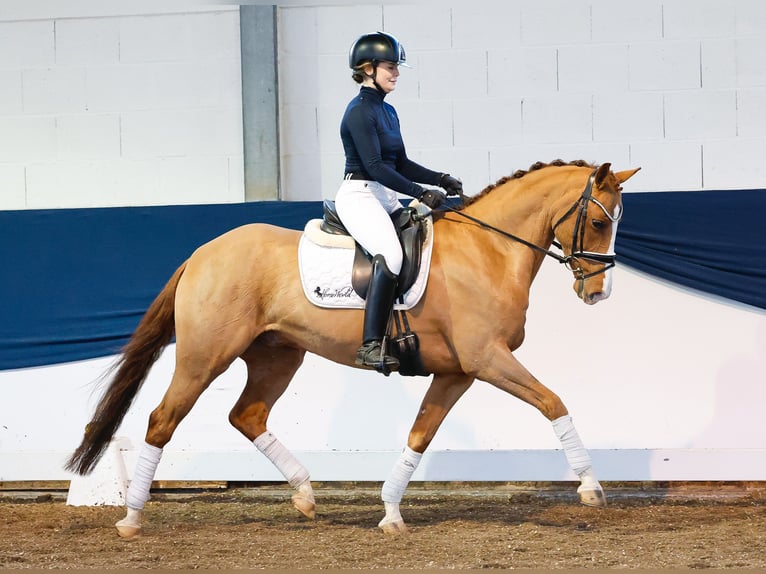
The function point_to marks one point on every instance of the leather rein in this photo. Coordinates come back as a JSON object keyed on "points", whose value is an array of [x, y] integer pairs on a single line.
{"points": [[571, 261]]}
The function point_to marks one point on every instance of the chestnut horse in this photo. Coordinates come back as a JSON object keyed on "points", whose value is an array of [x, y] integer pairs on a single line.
{"points": [[240, 296]]}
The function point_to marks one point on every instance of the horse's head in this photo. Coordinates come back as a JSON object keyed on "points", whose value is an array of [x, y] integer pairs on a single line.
{"points": [[587, 228]]}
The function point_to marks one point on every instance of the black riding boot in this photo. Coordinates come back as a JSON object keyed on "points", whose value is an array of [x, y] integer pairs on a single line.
{"points": [[377, 311]]}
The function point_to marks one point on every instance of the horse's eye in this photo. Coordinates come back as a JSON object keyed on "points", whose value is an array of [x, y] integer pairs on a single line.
{"points": [[598, 224]]}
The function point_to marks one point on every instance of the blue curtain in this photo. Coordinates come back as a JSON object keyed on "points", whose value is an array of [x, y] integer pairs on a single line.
{"points": [[75, 282]]}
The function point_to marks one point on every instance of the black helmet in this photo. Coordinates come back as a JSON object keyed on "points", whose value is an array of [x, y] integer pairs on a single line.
{"points": [[377, 47]]}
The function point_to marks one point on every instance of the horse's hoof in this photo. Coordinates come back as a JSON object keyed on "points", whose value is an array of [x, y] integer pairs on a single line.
{"points": [[128, 532], [304, 505], [393, 527], [590, 496]]}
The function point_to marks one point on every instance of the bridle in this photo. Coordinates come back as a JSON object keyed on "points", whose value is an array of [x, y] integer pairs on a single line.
{"points": [[571, 261]]}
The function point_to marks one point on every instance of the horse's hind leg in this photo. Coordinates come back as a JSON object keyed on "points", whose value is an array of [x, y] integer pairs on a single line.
{"points": [[269, 371], [190, 379], [444, 392]]}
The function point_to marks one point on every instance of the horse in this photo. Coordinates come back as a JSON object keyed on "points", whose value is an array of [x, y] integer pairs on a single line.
{"points": [[239, 296]]}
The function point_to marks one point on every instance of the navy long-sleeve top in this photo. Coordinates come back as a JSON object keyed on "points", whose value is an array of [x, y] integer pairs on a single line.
{"points": [[372, 141]]}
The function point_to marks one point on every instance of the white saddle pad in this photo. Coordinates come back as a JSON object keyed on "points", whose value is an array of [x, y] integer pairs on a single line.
{"points": [[325, 263]]}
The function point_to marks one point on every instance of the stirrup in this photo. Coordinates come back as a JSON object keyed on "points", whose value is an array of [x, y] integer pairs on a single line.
{"points": [[370, 355]]}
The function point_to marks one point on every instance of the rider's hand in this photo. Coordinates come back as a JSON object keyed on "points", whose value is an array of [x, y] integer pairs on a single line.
{"points": [[432, 198], [452, 185]]}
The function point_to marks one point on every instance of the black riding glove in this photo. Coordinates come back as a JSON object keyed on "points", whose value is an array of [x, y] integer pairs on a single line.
{"points": [[432, 198], [451, 185]]}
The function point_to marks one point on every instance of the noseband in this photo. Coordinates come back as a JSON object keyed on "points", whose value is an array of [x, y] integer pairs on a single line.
{"points": [[571, 261]]}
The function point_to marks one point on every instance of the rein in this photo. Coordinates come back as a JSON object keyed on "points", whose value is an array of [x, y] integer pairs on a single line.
{"points": [[581, 207]]}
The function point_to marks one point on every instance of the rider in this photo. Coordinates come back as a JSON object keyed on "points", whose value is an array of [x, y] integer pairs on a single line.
{"points": [[377, 167]]}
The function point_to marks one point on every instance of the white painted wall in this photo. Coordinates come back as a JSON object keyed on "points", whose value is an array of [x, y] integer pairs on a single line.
{"points": [[103, 108], [675, 86]]}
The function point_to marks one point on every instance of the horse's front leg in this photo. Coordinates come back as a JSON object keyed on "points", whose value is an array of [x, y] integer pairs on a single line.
{"points": [[506, 373], [444, 392]]}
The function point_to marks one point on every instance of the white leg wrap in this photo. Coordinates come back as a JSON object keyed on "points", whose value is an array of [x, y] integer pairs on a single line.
{"points": [[396, 484], [295, 473], [577, 456], [141, 483]]}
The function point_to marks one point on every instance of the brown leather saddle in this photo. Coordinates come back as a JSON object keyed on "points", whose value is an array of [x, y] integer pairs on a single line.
{"points": [[411, 229]]}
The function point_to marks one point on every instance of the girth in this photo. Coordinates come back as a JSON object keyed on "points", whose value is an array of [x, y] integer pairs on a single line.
{"points": [[411, 232]]}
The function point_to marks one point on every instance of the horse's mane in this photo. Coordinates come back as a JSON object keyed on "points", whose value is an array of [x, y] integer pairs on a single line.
{"points": [[519, 173]]}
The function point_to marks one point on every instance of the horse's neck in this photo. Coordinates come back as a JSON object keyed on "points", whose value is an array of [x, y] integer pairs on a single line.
{"points": [[522, 212]]}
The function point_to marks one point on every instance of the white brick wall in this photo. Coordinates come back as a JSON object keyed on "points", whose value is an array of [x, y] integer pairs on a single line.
{"points": [[672, 86], [93, 106], [119, 110]]}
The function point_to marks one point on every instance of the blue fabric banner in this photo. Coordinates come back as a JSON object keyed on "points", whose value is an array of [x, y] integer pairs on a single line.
{"points": [[75, 282]]}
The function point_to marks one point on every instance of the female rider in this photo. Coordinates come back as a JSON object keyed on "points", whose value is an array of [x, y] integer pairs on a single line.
{"points": [[377, 167]]}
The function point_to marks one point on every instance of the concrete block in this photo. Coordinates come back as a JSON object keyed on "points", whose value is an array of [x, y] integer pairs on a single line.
{"points": [[493, 122], [555, 22], [12, 187], [504, 161], [236, 178], [192, 180], [420, 27], [88, 183], [698, 19], [700, 114], [668, 166], [27, 139], [626, 21], [215, 34], [27, 44], [664, 66], [719, 63], [462, 75], [204, 84], [522, 72], [299, 129], [155, 38], [88, 136], [471, 165], [735, 163], [426, 124], [158, 134], [629, 116], [92, 41], [557, 119], [751, 70], [751, 17], [339, 26], [328, 126], [593, 68], [54, 90], [751, 113], [300, 177], [496, 26], [122, 88], [297, 31], [336, 85], [331, 173], [10, 92], [299, 80]]}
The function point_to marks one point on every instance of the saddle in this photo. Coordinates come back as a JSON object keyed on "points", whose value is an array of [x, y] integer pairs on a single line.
{"points": [[411, 232]]}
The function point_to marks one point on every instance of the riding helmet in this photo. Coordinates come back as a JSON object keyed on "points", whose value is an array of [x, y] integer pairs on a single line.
{"points": [[377, 47]]}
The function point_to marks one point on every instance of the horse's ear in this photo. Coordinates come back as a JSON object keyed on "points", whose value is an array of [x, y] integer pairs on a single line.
{"points": [[623, 176], [601, 172]]}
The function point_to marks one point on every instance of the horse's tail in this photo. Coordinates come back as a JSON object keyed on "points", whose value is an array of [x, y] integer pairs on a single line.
{"points": [[152, 335]]}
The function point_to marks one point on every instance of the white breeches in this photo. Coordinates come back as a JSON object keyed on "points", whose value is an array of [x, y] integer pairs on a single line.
{"points": [[365, 208]]}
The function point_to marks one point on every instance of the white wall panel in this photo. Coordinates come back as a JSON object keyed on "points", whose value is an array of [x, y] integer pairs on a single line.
{"points": [[750, 68], [623, 21], [522, 72], [555, 22], [700, 115], [12, 186], [81, 42], [561, 118], [54, 90], [88, 136], [698, 18], [639, 114], [601, 68], [751, 113], [665, 66], [494, 29], [10, 92], [668, 166], [735, 164], [719, 63], [26, 44]]}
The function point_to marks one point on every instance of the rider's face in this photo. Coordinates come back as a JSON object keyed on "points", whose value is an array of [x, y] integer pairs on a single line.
{"points": [[387, 75]]}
